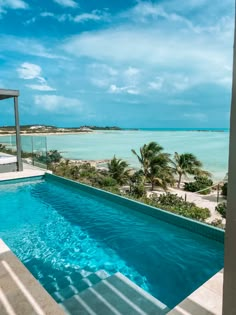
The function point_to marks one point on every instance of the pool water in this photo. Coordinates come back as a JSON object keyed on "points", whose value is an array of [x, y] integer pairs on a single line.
{"points": [[60, 229]]}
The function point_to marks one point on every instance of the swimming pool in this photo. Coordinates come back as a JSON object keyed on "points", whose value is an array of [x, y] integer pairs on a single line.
{"points": [[56, 229]]}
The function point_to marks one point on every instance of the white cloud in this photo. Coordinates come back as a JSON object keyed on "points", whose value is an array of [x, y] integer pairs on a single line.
{"points": [[146, 12], [26, 46], [29, 71], [181, 82], [40, 87], [13, 4], [113, 89], [133, 91], [101, 75], [131, 72], [57, 104], [103, 68], [204, 58], [46, 14], [156, 85], [101, 83], [95, 15], [67, 3], [171, 82], [132, 76], [147, 46], [87, 17]]}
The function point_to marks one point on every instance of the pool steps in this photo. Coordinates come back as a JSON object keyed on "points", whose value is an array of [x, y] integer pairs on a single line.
{"points": [[85, 292], [114, 295]]}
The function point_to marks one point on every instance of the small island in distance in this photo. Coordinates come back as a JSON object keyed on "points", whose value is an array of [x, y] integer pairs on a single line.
{"points": [[39, 129], [49, 129]]}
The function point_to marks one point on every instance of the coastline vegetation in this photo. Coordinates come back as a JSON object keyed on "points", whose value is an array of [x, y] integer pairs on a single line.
{"points": [[158, 170], [201, 184]]}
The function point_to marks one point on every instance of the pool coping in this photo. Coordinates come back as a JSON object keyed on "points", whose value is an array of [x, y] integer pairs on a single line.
{"points": [[206, 300], [21, 179], [20, 292], [198, 227]]}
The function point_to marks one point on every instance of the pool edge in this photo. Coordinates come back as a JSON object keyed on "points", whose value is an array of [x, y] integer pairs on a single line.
{"points": [[201, 228]]}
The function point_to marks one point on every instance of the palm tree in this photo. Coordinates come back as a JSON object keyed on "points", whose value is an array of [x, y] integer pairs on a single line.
{"points": [[155, 165], [147, 152], [187, 163], [159, 172], [117, 169]]}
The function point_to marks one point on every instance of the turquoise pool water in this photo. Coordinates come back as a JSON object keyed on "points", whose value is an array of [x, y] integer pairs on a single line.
{"points": [[58, 230]]}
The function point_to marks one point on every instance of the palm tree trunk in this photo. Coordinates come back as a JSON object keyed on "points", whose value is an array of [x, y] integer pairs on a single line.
{"points": [[179, 181], [153, 184]]}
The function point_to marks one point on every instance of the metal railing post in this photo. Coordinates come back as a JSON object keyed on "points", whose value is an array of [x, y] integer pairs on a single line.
{"points": [[18, 140]]}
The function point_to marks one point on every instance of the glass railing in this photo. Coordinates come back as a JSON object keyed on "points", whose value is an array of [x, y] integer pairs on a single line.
{"points": [[34, 149]]}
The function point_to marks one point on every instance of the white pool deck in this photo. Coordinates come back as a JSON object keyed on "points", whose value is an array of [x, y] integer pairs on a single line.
{"points": [[28, 171], [206, 300]]}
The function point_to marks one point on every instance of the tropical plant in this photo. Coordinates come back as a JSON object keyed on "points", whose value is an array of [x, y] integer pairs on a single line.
{"points": [[187, 163], [224, 189], [52, 156], [155, 165], [106, 181], [147, 152], [201, 183], [159, 173], [222, 208], [137, 177], [117, 169], [65, 169], [178, 205], [138, 190], [218, 223]]}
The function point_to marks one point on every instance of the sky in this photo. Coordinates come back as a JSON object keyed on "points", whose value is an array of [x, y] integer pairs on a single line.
{"points": [[127, 63]]}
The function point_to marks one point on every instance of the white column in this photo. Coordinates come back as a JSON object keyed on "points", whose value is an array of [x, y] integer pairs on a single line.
{"points": [[229, 291]]}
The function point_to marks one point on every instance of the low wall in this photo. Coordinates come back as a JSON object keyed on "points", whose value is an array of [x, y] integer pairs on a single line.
{"points": [[192, 225]]}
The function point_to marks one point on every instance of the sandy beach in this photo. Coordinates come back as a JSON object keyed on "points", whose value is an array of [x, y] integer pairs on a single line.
{"points": [[47, 133]]}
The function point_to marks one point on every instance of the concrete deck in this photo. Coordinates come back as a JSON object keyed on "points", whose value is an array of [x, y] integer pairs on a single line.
{"points": [[206, 300], [28, 171], [20, 292]]}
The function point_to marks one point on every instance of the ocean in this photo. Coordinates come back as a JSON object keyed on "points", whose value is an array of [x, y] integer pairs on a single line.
{"points": [[210, 147]]}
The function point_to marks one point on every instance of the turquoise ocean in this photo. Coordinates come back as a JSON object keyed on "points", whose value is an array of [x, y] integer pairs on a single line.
{"points": [[211, 147]]}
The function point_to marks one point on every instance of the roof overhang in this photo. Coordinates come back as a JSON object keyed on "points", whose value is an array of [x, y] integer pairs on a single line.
{"points": [[8, 93]]}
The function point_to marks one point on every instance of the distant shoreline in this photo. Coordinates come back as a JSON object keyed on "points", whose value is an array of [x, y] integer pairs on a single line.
{"points": [[58, 133]]}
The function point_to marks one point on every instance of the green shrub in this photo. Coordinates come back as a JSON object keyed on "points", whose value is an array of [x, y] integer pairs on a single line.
{"points": [[52, 156], [218, 223], [112, 189], [65, 169], [169, 200], [107, 181], [221, 208], [201, 182], [138, 190], [178, 205], [224, 189]]}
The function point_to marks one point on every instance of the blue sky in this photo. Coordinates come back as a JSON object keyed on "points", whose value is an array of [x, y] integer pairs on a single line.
{"points": [[165, 63]]}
